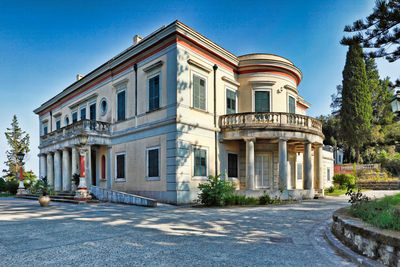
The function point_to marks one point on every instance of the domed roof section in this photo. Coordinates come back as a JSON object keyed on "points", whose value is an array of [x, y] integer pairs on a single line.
{"points": [[262, 56]]}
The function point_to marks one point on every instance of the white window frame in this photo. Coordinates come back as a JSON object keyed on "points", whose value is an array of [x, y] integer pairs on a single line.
{"points": [[90, 103], [58, 119], [328, 178], [116, 167], [45, 124], [295, 103], [118, 90], [80, 111], [236, 95], [158, 178], [261, 88], [193, 147], [149, 76], [238, 164], [192, 73], [77, 115]]}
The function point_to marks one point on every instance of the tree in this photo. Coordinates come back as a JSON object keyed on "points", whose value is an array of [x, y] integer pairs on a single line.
{"points": [[380, 31], [18, 141], [336, 104], [356, 108]]}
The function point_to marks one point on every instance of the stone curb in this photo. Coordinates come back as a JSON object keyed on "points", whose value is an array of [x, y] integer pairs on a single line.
{"points": [[346, 251]]}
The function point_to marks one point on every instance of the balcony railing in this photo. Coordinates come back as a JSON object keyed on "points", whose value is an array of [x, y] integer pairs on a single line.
{"points": [[89, 127], [270, 120]]}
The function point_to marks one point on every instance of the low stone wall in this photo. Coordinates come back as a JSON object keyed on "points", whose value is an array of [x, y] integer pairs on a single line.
{"points": [[381, 185], [121, 197], [374, 243], [294, 194]]}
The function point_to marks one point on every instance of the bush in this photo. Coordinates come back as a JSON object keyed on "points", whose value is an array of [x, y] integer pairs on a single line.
{"points": [[265, 200], [12, 187], [215, 191], [344, 179], [331, 189], [3, 185], [252, 201]]}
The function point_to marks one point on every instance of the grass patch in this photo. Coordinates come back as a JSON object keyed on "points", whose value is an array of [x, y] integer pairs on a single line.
{"points": [[383, 213], [338, 192]]}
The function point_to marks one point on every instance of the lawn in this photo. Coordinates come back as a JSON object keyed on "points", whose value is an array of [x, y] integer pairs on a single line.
{"points": [[6, 195], [383, 213], [339, 192]]}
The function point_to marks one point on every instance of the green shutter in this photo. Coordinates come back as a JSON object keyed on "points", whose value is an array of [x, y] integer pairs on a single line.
{"points": [[199, 92], [292, 105], [262, 101], [230, 101]]}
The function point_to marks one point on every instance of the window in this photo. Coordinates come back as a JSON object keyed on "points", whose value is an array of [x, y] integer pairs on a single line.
{"points": [[66, 121], [121, 105], [120, 166], [103, 106], [200, 162], [328, 174], [262, 101], [45, 128], [58, 124], [153, 163], [199, 92], [92, 112], [299, 171], [75, 116], [83, 113], [232, 165], [292, 105], [154, 92], [103, 167], [230, 101]]}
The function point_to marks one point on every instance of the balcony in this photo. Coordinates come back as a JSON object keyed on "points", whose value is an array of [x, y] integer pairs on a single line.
{"points": [[270, 121], [98, 132]]}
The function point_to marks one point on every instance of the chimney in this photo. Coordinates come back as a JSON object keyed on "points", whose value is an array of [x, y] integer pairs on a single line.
{"points": [[137, 39], [79, 76]]}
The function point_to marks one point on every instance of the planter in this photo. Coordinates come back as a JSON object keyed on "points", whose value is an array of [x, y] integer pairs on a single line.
{"points": [[44, 201]]}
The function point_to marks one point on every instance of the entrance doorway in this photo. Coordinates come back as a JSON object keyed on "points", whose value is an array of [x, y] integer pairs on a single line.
{"points": [[263, 170], [93, 167]]}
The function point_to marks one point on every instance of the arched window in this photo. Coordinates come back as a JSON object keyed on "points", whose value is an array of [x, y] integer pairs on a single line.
{"points": [[103, 167]]}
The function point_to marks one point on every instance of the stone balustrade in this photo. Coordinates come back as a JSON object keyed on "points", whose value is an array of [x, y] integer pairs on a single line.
{"points": [[271, 120], [89, 127]]}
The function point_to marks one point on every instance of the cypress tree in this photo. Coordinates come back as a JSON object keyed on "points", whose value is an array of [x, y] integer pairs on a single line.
{"points": [[356, 110], [18, 141]]}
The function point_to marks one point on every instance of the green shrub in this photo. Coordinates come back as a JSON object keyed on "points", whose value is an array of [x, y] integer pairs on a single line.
{"points": [[344, 179], [265, 200], [3, 185], [331, 189], [12, 187], [252, 201], [215, 191]]}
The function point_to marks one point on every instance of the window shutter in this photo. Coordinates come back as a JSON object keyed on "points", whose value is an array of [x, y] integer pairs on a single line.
{"points": [[196, 91], [292, 105], [262, 101], [154, 93], [121, 106], [202, 95]]}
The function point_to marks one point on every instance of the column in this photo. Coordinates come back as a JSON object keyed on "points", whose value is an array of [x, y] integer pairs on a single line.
{"points": [[308, 182], [66, 170], [57, 170], [88, 166], [42, 165], [318, 167], [108, 168], [74, 166], [50, 170], [283, 177], [250, 163]]}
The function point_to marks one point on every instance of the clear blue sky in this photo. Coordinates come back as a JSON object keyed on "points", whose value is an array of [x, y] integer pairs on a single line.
{"points": [[44, 44]]}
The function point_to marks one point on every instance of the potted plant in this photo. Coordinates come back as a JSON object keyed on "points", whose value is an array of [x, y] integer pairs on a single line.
{"points": [[44, 200]]}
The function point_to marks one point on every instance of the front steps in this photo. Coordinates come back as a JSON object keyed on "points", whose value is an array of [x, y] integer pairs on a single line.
{"points": [[65, 197]]}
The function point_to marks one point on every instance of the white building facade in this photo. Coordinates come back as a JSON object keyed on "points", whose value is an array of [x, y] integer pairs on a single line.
{"points": [[175, 107]]}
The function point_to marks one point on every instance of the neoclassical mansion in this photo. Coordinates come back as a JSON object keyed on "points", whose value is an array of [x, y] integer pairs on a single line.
{"points": [[175, 107]]}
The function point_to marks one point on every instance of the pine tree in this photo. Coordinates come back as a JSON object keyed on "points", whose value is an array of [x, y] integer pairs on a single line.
{"points": [[18, 141], [356, 110]]}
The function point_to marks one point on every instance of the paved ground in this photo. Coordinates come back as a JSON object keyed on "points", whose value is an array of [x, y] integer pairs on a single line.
{"points": [[108, 234]]}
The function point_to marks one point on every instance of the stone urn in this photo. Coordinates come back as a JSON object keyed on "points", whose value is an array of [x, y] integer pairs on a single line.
{"points": [[44, 201]]}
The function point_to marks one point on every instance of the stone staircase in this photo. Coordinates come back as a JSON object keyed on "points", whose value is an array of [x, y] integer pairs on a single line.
{"points": [[319, 193], [66, 197]]}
